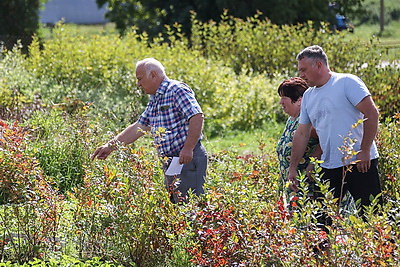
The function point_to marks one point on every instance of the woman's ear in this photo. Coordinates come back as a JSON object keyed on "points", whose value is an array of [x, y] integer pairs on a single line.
{"points": [[299, 100]]}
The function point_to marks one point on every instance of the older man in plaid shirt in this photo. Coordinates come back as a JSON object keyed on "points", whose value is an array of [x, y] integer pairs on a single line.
{"points": [[174, 109]]}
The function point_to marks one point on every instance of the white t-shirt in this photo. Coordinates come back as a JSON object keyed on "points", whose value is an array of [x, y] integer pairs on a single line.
{"points": [[331, 109]]}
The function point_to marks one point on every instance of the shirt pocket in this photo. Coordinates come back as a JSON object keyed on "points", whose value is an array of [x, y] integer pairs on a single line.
{"points": [[168, 118]]}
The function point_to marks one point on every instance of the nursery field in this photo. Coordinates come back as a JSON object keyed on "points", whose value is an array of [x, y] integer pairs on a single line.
{"points": [[72, 92]]}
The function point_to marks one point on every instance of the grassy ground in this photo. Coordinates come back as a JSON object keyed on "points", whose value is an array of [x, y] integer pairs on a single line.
{"points": [[245, 142], [389, 38]]}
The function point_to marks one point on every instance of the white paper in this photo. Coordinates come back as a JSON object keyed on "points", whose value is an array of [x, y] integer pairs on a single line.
{"points": [[174, 168]]}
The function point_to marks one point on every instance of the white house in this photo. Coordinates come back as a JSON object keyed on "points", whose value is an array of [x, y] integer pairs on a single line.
{"points": [[73, 11]]}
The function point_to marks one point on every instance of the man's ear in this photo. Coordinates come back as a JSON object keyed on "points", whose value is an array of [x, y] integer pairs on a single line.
{"points": [[320, 64], [153, 74]]}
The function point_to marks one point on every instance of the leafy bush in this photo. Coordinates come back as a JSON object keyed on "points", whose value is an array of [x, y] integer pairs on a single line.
{"points": [[30, 208], [121, 214], [259, 46], [61, 144], [389, 159], [130, 220], [106, 78], [17, 97], [60, 207]]}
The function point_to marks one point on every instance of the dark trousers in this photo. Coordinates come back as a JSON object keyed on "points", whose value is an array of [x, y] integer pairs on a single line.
{"points": [[360, 185], [192, 176]]}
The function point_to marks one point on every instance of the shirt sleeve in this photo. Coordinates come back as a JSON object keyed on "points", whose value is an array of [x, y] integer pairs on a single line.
{"points": [[304, 117], [355, 89], [187, 103], [143, 119]]}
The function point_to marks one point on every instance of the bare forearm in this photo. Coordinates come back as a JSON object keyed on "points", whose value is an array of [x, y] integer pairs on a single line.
{"points": [[127, 136], [195, 128], [298, 150], [370, 130], [300, 141], [131, 133], [371, 117]]}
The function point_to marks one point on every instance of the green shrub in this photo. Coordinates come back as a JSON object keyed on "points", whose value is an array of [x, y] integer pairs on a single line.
{"points": [[17, 96], [389, 155], [29, 206], [61, 144], [75, 68], [259, 46], [118, 212], [131, 219]]}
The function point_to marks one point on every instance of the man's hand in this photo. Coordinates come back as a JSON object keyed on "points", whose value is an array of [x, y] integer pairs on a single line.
{"points": [[363, 161], [294, 183], [102, 152], [185, 156]]}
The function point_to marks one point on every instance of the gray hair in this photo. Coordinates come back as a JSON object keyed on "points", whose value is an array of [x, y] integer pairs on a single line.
{"points": [[151, 64], [315, 53]]}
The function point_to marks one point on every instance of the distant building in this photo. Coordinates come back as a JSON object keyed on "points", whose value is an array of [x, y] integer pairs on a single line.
{"points": [[73, 11]]}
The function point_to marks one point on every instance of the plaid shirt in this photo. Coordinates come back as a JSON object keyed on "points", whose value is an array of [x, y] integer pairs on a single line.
{"points": [[170, 109]]}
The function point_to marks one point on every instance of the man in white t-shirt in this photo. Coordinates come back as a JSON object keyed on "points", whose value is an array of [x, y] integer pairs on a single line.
{"points": [[333, 105]]}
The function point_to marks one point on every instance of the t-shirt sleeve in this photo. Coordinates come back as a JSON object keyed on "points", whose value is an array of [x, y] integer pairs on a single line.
{"points": [[355, 90], [304, 117]]}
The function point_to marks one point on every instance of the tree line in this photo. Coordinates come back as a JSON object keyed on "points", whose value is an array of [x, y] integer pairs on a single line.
{"points": [[19, 19], [151, 16]]}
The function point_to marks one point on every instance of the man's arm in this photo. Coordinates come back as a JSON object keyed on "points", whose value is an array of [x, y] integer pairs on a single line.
{"points": [[127, 136], [300, 141], [371, 116], [195, 128]]}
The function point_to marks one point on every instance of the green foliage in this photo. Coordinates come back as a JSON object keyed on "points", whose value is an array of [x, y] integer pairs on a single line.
{"points": [[17, 99], [29, 207], [61, 143], [389, 160], [107, 79], [262, 47], [151, 15], [64, 260], [130, 221], [19, 20], [75, 68], [372, 11], [59, 208], [121, 215]]}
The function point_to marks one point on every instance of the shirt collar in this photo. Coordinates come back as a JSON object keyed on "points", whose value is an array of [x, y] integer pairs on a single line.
{"points": [[162, 89], [163, 86]]}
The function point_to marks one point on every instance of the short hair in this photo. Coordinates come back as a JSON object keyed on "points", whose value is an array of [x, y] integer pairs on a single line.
{"points": [[314, 52], [151, 64], [293, 88]]}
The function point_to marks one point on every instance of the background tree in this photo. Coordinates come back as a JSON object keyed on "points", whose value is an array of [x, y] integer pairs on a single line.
{"points": [[151, 15], [19, 20], [372, 13]]}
